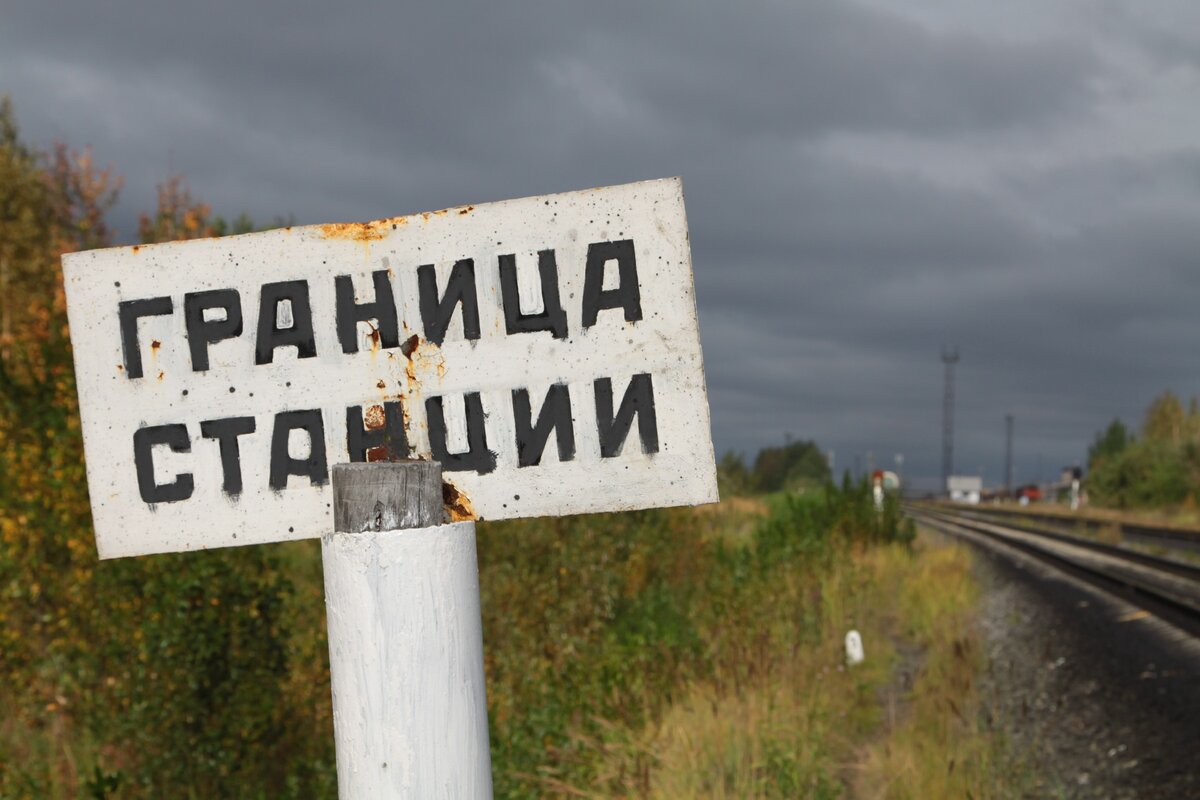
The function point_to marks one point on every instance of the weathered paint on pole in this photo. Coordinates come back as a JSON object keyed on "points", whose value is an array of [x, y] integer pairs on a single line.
{"points": [[545, 350], [387, 496], [405, 645]]}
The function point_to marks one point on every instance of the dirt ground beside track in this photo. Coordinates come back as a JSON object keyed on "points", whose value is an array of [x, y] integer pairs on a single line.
{"points": [[1103, 700]]}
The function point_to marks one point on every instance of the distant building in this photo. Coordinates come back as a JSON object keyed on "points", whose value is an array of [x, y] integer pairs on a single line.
{"points": [[964, 488]]}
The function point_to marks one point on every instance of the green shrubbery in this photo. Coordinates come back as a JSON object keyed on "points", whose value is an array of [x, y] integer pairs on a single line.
{"points": [[1160, 467], [795, 466], [185, 678], [595, 624]]}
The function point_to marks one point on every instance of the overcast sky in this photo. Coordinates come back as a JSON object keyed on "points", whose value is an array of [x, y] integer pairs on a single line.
{"points": [[865, 181]]}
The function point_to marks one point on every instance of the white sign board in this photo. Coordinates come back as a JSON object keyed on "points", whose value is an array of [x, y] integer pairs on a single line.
{"points": [[545, 350]]}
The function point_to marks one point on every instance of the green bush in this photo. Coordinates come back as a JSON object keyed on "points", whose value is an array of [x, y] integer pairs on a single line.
{"points": [[792, 466], [1160, 467], [594, 623], [1146, 474]]}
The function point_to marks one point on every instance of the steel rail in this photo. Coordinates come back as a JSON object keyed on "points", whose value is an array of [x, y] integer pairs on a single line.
{"points": [[1118, 571], [1161, 534], [1182, 569]]}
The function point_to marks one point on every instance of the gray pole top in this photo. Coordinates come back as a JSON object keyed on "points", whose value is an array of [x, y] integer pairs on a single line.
{"points": [[387, 496]]}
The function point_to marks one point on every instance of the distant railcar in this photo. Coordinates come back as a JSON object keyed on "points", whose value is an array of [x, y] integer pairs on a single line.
{"points": [[1029, 493]]}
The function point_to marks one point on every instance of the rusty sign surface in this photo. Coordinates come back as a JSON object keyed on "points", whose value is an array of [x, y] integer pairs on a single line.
{"points": [[545, 350]]}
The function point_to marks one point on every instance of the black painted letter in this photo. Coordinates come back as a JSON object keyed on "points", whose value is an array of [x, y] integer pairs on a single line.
{"points": [[627, 295], [389, 434], [226, 432], [129, 312], [315, 467], [270, 336], [552, 317], [200, 332], [555, 415], [382, 310], [144, 441], [477, 458], [639, 400], [460, 289]]}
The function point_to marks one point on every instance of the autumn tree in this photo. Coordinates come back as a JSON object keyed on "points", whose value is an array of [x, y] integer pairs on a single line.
{"points": [[791, 466], [176, 669], [1160, 467], [1165, 421], [1109, 444], [49, 203]]}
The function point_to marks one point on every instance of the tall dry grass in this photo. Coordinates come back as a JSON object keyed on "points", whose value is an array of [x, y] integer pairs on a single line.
{"points": [[800, 723]]}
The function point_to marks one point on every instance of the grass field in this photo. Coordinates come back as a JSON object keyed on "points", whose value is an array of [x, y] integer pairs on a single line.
{"points": [[674, 653]]}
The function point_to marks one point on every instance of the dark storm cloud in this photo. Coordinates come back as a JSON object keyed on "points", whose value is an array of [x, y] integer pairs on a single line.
{"points": [[441, 88], [775, 71], [1158, 35], [862, 185]]}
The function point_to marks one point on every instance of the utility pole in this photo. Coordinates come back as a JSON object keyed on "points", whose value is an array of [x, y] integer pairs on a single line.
{"points": [[949, 359], [1008, 464]]}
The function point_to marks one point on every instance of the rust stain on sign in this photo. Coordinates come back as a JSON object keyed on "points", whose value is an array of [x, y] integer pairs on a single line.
{"points": [[458, 505], [421, 357], [374, 418], [379, 228], [409, 349], [356, 231]]}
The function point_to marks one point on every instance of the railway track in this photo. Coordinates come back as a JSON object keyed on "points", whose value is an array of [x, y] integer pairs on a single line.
{"points": [[1175, 538], [1166, 588]]}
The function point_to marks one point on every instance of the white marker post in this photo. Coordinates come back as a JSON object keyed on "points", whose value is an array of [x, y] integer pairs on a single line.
{"points": [[854, 648], [405, 638]]}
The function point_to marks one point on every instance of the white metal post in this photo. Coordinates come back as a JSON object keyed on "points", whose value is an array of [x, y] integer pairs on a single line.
{"points": [[405, 640]]}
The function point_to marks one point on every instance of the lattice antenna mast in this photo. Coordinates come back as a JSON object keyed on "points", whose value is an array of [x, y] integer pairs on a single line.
{"points": [[1008, 462], [949, 359]]}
